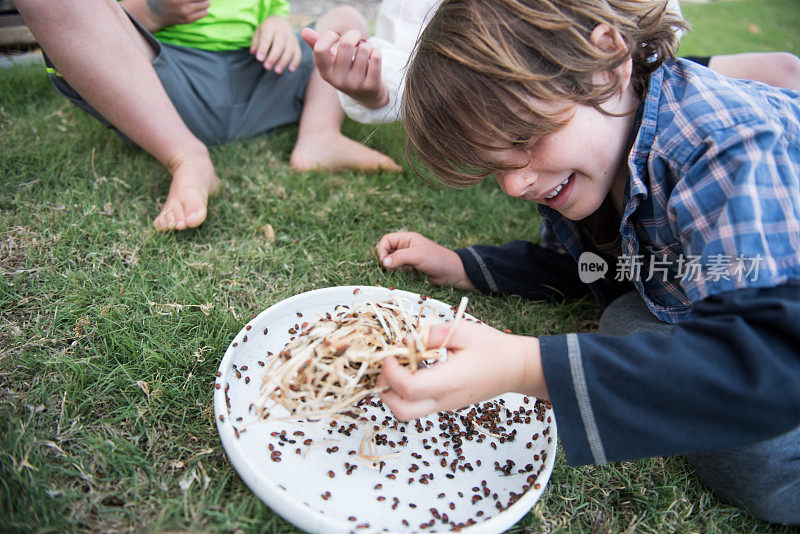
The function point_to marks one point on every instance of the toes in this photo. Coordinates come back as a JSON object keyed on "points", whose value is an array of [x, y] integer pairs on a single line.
{"points": [[170, 218], [165, 220], [183, 210], [196, 217]]}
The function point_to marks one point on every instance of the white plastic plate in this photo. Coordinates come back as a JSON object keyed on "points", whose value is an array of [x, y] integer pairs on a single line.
{"points": [[425, 486]]}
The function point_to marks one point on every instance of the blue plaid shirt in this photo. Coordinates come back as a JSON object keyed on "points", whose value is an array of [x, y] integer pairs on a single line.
{"points": [[712, 202]]}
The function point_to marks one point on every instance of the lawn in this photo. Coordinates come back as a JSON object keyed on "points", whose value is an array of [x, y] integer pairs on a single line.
{"points": [[110, 333]]}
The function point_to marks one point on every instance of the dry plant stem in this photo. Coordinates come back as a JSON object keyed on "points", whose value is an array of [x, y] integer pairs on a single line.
{"points": [[334, 363], [459, 314], [370, 455]]}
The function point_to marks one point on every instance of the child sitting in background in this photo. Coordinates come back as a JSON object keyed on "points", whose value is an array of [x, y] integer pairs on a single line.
{"points": [[213, 72], [687, 181], [370, 75]]}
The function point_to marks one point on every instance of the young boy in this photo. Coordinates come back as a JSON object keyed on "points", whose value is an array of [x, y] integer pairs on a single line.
{"points": [[686, 181], [174, 77], [370, 74]]}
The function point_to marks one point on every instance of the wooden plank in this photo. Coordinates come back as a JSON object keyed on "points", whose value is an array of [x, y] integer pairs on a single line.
{"points": [[11, 19], [7, 6], [14, 32], [16, 36]]}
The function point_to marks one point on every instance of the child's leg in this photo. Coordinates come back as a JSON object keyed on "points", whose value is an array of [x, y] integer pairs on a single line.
{"points": [[94, 45], [780, 69], [764, 478], [320, 143], [628, 314]]}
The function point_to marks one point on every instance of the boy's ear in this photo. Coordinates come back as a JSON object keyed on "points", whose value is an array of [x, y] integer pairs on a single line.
{"points": [[609, 40]]}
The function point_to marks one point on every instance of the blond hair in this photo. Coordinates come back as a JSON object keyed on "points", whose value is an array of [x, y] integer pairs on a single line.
{"points": [[489, 74]]}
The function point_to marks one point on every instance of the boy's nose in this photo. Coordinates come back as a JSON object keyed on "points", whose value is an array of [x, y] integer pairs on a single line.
{"points": [[515, 183]]}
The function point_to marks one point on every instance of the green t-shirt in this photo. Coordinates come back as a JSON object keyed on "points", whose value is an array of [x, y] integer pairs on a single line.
{"points": [[229, 24]]}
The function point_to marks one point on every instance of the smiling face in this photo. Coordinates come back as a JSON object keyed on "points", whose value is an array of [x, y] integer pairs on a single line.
{"points": [[575, 168], [549, 115]]}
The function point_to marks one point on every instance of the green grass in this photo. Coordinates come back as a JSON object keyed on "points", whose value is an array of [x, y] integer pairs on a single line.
{"points": [[110, 334], [741, 26]]}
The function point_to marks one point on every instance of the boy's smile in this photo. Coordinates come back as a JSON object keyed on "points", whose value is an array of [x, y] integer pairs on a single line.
{"points": [[575, 168]]}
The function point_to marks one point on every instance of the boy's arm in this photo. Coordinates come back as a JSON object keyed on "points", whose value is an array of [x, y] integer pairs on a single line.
{"points": [[519, 267], [522, 268], [727, 378], [397, 26]]}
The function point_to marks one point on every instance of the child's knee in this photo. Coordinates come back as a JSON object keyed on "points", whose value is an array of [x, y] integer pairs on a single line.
{"points": [[343, 18], [763, 479], [787, 68]]}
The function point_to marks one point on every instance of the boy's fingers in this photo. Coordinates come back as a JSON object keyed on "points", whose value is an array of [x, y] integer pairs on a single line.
{"points": [[408, 410], [256, 41], [289, 51], [373, 77], [326, 40], [352, 38], [265, 42], [310, 36], [298, 57], [322, 51], [426, 383], [362, 58], [391, 242], [385, 246], [261, 50], [436, 335], [346, 52], [283, 61], [275, 53]]}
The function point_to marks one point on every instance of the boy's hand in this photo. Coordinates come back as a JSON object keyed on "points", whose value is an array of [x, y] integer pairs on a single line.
{"points": [[155, 14], [275, 45], [410, 250], [350, 64], [481, 363]]}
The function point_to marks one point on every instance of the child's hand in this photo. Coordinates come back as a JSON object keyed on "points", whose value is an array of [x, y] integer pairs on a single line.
{"points": [[410, 250], [275, 45], [350, 64], [481, 363], [156, 14]]}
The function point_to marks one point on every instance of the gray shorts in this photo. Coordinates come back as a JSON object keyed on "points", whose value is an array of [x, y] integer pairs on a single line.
{"points": [[221, 96]]}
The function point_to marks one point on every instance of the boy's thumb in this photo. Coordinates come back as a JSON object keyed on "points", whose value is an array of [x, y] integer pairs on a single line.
{"points": [[401, 257], [310, 36]]}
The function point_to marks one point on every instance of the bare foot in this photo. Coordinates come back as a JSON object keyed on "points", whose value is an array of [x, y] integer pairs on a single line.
{"points": [[337, 152], [193, 182]]}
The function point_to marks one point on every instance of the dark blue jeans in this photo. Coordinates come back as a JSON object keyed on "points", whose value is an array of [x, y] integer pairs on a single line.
{"points": [[764, 478]]}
